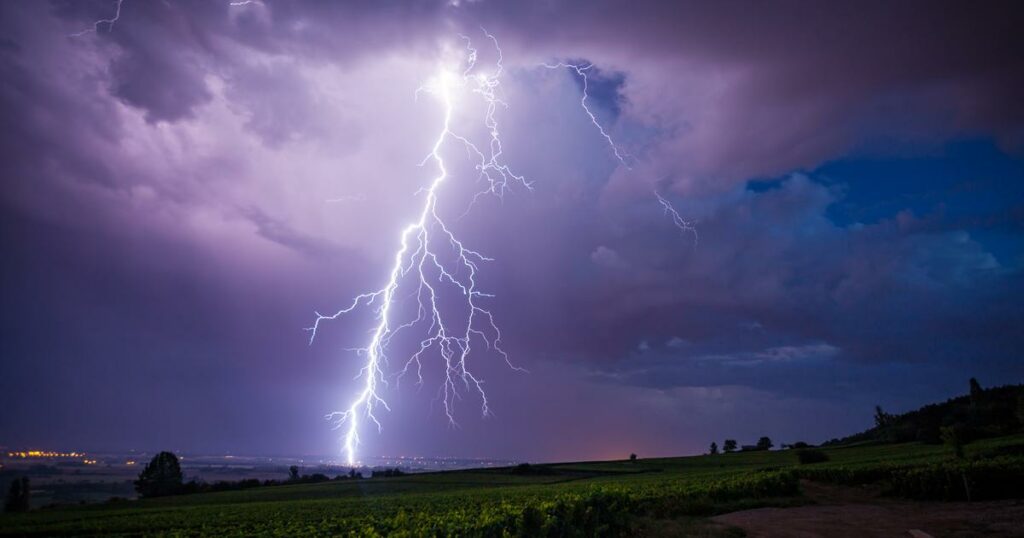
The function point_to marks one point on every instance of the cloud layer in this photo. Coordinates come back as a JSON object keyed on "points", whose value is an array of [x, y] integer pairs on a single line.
{"points": [[181, 190]]}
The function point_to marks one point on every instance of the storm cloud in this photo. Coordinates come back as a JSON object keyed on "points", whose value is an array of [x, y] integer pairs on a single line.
{"points": [[184, 188]]}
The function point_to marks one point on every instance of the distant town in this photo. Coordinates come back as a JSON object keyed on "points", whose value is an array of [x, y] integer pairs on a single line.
{"points": [[75, 476]]}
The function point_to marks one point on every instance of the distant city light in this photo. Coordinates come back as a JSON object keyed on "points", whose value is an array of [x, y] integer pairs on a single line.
{"points": [[44, 454]]}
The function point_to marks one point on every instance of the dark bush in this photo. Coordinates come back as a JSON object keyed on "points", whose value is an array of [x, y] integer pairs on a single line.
{"points": [[527, 469], [161, 477], [809, 455], [193, 486], [18, 496]]}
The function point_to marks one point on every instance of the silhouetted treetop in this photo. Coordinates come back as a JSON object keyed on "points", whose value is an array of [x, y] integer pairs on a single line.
{"points": [[161, 477]]}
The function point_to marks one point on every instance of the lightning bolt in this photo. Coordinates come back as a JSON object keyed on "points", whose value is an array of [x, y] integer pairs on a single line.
{"points": [[435, 260], [419, 256], [96, 25], [117, 15], [684, 225], [581, 71]]}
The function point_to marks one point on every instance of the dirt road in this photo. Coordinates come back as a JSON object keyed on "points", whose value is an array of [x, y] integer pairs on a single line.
{"points": [[843, 512]]}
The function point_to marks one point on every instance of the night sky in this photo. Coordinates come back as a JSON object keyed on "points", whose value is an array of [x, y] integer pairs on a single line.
{"points": [[183, 189]]}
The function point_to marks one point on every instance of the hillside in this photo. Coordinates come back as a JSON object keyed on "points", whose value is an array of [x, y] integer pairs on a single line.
{"points": [[980, 414]]}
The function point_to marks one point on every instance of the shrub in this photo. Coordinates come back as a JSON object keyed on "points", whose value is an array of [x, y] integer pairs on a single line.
{"points": [[18, 497], [161, 477], [810, 455], [527, 469]]}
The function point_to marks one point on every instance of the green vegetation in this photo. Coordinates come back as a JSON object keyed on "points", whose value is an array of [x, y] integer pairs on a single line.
{"points": [[965, 449], [998, 478], [571, 499], [989, 469]]}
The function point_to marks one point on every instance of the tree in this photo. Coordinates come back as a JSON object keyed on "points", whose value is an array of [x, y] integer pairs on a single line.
{"points": [[882, 419], [975, 387], [632, 457], [714, 447], [729, 445], [18, 496], [161, 477], [293, 472], [976, 391], [764, 443]]}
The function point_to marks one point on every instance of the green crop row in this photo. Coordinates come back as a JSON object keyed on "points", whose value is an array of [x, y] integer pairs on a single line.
{"points": [[605, 509], [599, 511], [994, 478], [998, 478]]}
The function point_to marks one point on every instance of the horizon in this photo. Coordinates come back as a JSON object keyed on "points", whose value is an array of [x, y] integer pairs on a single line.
{"points": [[337, 459]]}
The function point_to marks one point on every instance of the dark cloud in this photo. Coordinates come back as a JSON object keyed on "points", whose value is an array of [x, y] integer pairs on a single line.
{"points": [[760, 89], [181, 191]]}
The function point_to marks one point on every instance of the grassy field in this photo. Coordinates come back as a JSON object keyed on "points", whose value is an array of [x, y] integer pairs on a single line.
{"points": [[584, 499]]}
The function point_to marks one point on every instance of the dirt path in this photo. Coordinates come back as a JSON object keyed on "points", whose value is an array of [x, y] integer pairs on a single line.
{"points": [[860, 512]]}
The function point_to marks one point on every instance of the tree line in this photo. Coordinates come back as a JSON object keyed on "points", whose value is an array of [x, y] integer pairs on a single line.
{"points": [[163, 476], [981, 413], [730, 445]]}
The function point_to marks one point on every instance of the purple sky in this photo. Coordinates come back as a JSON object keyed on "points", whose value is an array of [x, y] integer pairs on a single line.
{"points": [[182, 190]]}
